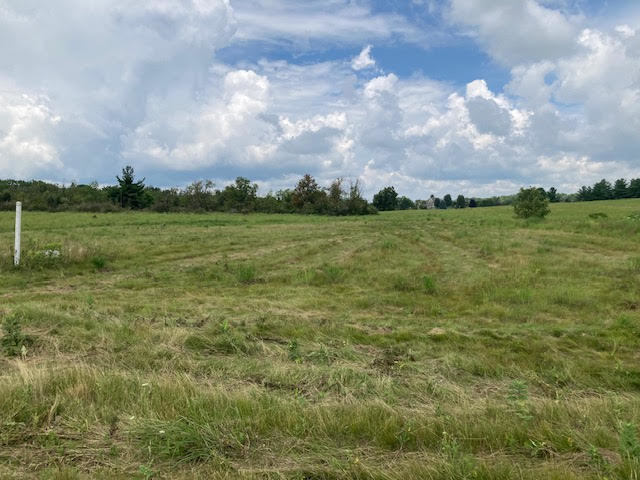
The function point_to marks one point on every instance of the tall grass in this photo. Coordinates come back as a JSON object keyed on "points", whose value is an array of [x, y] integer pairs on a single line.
{"points": [[417, 344]]}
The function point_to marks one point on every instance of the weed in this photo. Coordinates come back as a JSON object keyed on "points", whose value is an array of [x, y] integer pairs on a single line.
{"points": [[13, 341], [146, 472], [429, 284], [98, 262], [518, 400], [596, 459], [294, 351], [629, 443]]}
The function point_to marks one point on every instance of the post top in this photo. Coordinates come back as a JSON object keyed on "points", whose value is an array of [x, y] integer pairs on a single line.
{"points": [[18, 204]]}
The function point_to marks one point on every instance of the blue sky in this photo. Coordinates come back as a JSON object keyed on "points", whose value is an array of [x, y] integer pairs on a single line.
{"points": [[478, 97]]}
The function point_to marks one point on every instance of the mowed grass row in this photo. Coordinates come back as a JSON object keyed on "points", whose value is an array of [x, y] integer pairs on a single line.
{"points": [[418, 344]]}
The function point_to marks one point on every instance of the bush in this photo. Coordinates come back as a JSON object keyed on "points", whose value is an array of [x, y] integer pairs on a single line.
{"points": [[531, 202], [13, 340]]}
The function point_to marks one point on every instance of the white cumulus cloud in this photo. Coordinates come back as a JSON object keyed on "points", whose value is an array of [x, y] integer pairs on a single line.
{"points": [[363, 60]]}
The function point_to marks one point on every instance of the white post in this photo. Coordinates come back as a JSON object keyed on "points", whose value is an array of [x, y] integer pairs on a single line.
{"points": [[16, 248]]}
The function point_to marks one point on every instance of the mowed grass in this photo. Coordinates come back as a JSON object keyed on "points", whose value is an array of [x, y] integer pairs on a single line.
{"points": [[459, 344]]}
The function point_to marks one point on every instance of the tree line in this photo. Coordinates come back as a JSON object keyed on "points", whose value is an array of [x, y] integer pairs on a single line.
{"points": [[604, 190], [339, 198]]}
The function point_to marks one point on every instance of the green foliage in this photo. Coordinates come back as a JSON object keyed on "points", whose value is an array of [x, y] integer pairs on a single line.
{"points": [[531, 202], [98, 262], [629, 443], [461, 202], [294, 351], [244, 273], [131, 194], [429, 284], [200, 196], [13, 342], [620, 189], [405, 203], [386, 199], [518, 400]]}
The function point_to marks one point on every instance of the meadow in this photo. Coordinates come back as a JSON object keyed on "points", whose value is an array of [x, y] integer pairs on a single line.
{"points": [[457, 344]]}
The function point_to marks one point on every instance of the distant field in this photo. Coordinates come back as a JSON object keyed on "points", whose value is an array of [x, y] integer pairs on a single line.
{"points": [[458, 344]]}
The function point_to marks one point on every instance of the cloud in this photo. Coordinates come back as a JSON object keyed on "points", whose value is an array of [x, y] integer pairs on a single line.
{"points": [[301, 24], [363, 60], [27, 128], [101, 64], [146, 86], [191, 136], [516, 31]]}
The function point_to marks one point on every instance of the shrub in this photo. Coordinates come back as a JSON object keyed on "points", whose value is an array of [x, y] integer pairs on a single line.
{"points": [[13, 340], [531, 202]]}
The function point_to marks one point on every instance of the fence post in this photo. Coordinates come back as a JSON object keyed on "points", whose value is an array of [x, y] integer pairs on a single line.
{"points": [[16, 248]]}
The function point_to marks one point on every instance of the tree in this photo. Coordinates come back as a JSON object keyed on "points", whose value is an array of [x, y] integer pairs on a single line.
{"points": [[447, 200], [131, 194], [602, 190], [240, 196], [461, 202], [634, 188], [386, 199], [436, 202], [531, 202], [199, 195], [308, 197], [620, 189], [473, 203], [405, 203], [585, 194], [552, 195], [356, 204]]}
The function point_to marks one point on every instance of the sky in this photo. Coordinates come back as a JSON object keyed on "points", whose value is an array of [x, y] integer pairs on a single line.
{"points": [[479, 97]]}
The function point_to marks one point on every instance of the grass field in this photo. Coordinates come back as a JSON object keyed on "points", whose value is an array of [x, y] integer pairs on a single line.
{"points": [[420, 344]]}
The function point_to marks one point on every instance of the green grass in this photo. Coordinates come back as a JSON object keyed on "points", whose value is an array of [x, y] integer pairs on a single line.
{"points": [[458, 344]]}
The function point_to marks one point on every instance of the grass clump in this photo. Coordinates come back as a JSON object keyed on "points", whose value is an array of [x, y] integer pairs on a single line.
{"points": [[98, 262]]}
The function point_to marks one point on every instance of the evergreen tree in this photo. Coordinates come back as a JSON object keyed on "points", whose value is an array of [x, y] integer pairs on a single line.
{"points": [[602, 190], [447, 200], [634, 188], [620, 188], [461, 202], [131, 194], [552, 195], [585, 194], [473, 203]]}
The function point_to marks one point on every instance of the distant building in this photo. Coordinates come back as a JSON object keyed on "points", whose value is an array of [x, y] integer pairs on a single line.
{"points": [[431, 203]]}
